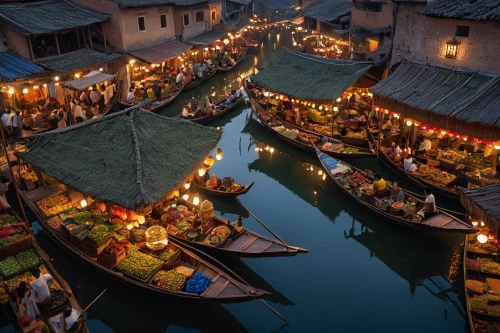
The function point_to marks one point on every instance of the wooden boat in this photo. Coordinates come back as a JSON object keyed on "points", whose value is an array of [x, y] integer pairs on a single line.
{"points": [[408, 175], [336, 147], [226, 68], [165, 100], [478, 319], [225, 287], [217, 193], [197, 82], [244, 244], [440, 222], [206, 119], [51, 317]]}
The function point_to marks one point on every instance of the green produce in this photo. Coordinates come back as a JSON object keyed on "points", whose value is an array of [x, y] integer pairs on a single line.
{"points": [[82, 217], [9, 266], [409, 207], [7, 219], [351, 150], [487, 303], [140, 265], [184, 226], [166, 255], [488, 265], [98, 232], [170, 280], [27, 259]]}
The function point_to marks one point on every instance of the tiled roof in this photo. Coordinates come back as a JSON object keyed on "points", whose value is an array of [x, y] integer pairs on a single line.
{"points": [[161, 52], [14, 67], [148, 3], [328, 10], [43, 17], [478, 10], [207, 37], [71, 61]]}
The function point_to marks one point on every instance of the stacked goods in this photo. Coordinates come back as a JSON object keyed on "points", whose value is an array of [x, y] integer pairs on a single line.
{"points": [[473, 264], [170, 280], [476, 286], [487, 304], [29, 175], [356, 179], [139, 265], [350, 150], [55, 222], [54, 205], [433, 175], [344, 181], [27, 259], [57, 299], [17, 234], [113, 253], [185, 269], [198, 283], [409, 207], [494, 284], [82, 217], [167, 254], [9, 266], [489, 266], [306, 138], [483, 326], [289, 133], [98, 233], [6, 219]]}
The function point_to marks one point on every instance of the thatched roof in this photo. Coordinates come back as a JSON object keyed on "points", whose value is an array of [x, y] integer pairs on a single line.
{"points": [[160, 52], [206, 38], [483, 204], [132, 158], [477, 10], [14, 67], [44, 17], [79, 59], [328, 10], [310, 77], [460, 101], [148, 3]]}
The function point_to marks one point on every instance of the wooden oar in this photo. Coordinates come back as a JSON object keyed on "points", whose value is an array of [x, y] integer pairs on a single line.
{"points": [[95, 300], [263, 224]]}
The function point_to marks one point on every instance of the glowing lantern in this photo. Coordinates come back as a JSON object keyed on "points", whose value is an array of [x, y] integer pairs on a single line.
{"points": [[320, 172], [335, 109], [339, 100], [321, 107], [475, 223], [83, 203], [77, 75], [185, 196], [209, 161], [409, 123], [266, 94], [25, 90], [130, 226], [45, 85], [465, 138], [141, 219], [219, 155], [482, 223], [101, 69], [324, 176], [452, 49], [257, 149], [187, 186], [56, 78], [201, 172], [11, 91], [196, 200], [271, 150], [386, 111], [443, 132], [156, 238], [35, 87], [481, 238]]}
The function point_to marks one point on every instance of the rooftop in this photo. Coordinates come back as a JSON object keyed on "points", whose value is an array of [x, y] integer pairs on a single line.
{"points": [[148, 3], [14, 67], [44, 17], [81, 58], [474, 10], [207, 37], [482, 204], [328, 10], [160, 52]]}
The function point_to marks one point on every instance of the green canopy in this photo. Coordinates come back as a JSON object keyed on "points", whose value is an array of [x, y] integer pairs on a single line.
{"points": [[310, 77], [132, 159]]}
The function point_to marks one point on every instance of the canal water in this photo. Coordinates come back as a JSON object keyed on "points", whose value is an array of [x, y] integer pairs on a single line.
{"points": [[361, 274]]}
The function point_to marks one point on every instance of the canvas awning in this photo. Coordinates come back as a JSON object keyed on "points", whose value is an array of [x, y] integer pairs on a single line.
{"points": [[207, 37], [465, 102], [161, 52], [310, 77], [482, 204], [132, 158], [94, 77]]}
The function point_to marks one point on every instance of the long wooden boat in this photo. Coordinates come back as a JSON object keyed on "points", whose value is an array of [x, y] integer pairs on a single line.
{"points": [[408, 175], [244, 244], [53, 317], [164, 100], [197, 82], [218, 193], [225, 286], [206, 119], [337, 148], [227, 68], [440, 222], [478, 321]]}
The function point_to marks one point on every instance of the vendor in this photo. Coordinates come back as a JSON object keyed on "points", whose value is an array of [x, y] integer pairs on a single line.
{"points": [[380, 185], [396, 194], [429, 208], [40, 286], [71, 319], [213, 182], [409, 165], [461, 180]]}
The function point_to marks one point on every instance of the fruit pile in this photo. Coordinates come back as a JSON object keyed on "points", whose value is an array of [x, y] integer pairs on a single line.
{"points": [[7, 219], [356, 179], [473, 264], [140, 265], [27, 259], [483, 326], [9, 266], [47, 203], [58, 209]]}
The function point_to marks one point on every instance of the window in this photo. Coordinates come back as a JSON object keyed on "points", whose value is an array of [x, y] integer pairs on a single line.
{"points": [[186, 19], [199, 17], [213, 16], [163, 21], [141, 23], [462, 31], [368, 7]]}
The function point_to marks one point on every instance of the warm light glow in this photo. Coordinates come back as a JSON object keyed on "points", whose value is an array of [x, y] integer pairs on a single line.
{"points": [[443, 132], [25, 90], [281, 97], [83, 203], [482, 223], [35, 87], [219, 155], [294, 43], [141, 219], [267, 148], [56, 78], [386, 111], [257, 149], [313, 106], [452, 49], [11, 91], [482, 238], [206, 49], [101, 69], [266, 94], [187, 186], [335, 109], [201, 172], [496, 147], [130, 226], [271, 150], [320, 172], [475, 223], [409, 123], [339, 100], [324, 176], [226, 41], [465, 138], [132, 61], [196, 200], [185, 196], [293, 101], [321, 107], [45, 85], [218, 128], [77, 75]]}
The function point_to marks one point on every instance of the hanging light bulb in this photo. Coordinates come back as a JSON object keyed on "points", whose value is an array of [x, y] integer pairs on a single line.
{"points": [[481, 238], [335, 109], [409, 123], [187, 186], [266, 94], [324, 176], [201, 172], [101, 69], [185, 196], [320, 172], [482, 223], [313, 106], [267, 148], [45, 85], [56, 78], [257, 149], [25, 90], [465, 138], [77, 76], [35, 87], [443, 132], [83, 203], [475, 223], [11, 91], [321, 107], [271, 150], [196, 200], [219, 155]]}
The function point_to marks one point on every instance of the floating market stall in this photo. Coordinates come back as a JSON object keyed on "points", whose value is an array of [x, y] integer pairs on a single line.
{"points": [[481, 259], [459, 130], [289, 98], [117, 215]]}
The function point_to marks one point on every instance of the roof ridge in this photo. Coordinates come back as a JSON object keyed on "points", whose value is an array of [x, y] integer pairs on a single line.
{"points": [[138, 161]]}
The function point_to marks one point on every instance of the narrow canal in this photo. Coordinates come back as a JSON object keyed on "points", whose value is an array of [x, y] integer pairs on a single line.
{"points": [[361, 275]]}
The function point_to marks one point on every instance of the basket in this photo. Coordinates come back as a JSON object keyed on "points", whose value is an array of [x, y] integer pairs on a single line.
{"points": [[206, 211], [138, 235], [78, 239], [109, 261], [22, 244]]}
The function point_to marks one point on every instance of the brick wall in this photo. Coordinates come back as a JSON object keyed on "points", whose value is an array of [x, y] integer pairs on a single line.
{"points": [[424, 39]]}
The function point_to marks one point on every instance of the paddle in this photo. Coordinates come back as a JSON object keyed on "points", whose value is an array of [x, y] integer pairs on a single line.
{"points": [[95, 300]]}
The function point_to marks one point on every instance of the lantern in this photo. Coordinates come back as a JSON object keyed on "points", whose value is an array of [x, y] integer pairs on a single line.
{"points": [[266, 94], [219, 155], [482, 223], [156, 238], [141, 219], [131, 215], [201, 172], [176, 194], [335, 109], [409, 123], [77, 76], [25, 90], [35, 87], [321, 107], [267, 148], [45, 85], [452, 49], [226, 41], [187, 186], [339, 100], [320, 172], [196, 200], [257, 149], [130, 226], [218, 128], [11, 91], [293, 101], [100, 69], [271, 150], [56, 78], [83, 203], [481, 238], [209, 161], [475, 224], [324, 176], [465, 138], [185, 196], [386, 111]]}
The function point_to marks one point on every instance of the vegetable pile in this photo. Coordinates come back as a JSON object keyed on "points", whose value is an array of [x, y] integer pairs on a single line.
{"points": [[170, 280], [98, 232], [20, 233], [58, 298], [82, 217], [473, 264], [487, 303], [9, 266], [27, 259], [356, 179], [166, 255], [140, 265], [198, 283], [489, 266]]}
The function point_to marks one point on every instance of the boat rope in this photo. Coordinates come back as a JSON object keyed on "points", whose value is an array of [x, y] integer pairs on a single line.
{"points": [[262, 223]]}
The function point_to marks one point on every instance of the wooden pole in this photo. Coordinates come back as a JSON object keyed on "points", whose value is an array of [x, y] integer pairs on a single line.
{"points": [[32, 57], [57, 44], [92, 303], [90, 39], [381, 119], [104, 37]]}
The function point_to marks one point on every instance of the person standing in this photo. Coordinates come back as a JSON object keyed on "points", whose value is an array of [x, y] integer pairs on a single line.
{"points": [[78, 112], [40, 286], [25, 297], [84, 97], [94, 96]]}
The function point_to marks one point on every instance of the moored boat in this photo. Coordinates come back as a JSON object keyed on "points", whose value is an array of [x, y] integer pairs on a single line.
{"points": [[220, 193], [163, 101], [304, 140], [242, 57], [221, 110], [357, 185], [197, 82]]}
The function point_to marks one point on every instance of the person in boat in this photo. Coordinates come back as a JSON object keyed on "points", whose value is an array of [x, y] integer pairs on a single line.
{"points": [[396, 194], [409, 164], [85, 98], [179, 77], [343, 130], [185, 112], [71, 320], [156, 89], [213, 182], [130, 97], [429, 208], [26, 300], [395, 150], [424, 145], [40, 285], [461, 180], [404, 152], [379, 185], [151, 93]]}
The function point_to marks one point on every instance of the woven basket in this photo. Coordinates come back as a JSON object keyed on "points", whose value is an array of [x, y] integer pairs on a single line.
{"points": [[206, 211]]}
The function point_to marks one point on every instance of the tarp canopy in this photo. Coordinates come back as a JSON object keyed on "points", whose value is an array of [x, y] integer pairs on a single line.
{"points": [[161, 52], [207, 37], [90, 80], [132, 158], [14, 67], [310, 77], [482, 204], [461, 101]]}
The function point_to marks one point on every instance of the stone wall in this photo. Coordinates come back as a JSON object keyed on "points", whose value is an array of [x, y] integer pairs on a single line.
{"points": [[373, 20]]}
